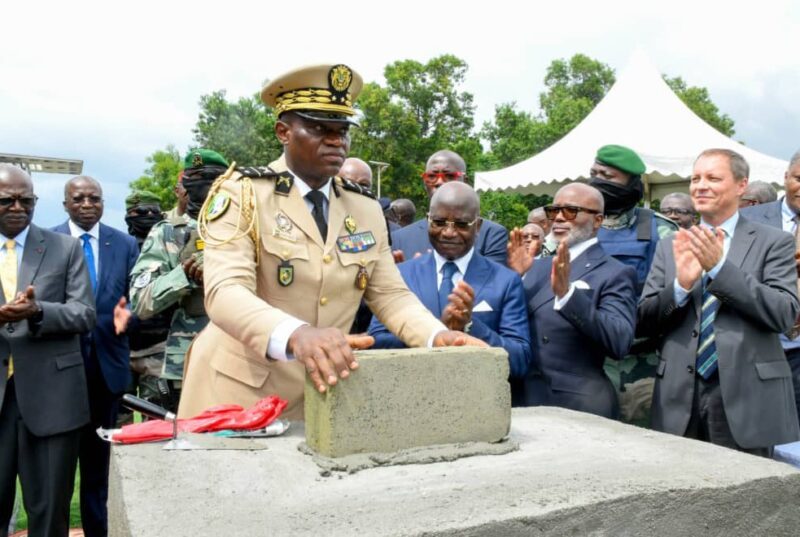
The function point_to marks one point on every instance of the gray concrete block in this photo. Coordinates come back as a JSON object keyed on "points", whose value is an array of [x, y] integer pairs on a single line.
{"points": [[574, 474], [406, 398]]}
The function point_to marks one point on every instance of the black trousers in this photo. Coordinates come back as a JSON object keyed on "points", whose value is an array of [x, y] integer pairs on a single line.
{"points": [[46, 469], [793, 357], [709, 422], [95, 453]]}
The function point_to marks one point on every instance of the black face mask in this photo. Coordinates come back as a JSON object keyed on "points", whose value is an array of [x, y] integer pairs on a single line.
{"points": [[197, 191], [140, 225], [618, 198]]}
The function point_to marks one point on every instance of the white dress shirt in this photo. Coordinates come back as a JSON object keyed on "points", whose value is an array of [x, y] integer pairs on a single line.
{"points": [[94, 241]]}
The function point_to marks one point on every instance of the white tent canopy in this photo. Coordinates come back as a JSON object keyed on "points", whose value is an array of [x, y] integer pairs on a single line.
{"points": [[641, 112]]}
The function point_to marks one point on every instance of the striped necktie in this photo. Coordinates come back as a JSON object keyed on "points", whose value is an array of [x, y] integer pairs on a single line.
{"points": [[706, 363], [8, 277]]}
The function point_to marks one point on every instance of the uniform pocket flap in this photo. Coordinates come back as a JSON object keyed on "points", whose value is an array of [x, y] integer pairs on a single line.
{"points": [[285, 246], [71, 359], [773, 370], [565, 382], [241, 369]]}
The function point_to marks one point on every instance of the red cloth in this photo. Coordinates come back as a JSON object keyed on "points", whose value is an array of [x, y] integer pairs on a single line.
{"points": [[216, 418]]}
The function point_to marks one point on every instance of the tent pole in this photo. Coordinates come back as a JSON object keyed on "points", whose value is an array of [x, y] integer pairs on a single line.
{"points": [[646, 181]]}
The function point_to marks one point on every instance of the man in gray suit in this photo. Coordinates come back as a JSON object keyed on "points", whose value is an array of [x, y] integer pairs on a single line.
{"points": [[784, 214], [718, 295], [45, 304]]}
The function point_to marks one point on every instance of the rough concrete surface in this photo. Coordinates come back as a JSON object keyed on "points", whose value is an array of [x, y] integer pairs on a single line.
{"points": [[404, 398], [574, 474]]}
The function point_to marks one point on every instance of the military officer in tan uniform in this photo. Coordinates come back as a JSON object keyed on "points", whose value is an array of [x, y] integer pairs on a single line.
{"points": [[289, 252]]}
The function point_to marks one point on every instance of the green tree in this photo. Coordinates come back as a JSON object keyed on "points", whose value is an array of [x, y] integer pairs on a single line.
{"points": [[699, 100], [242, 131], [420, 110], [161, 175]]}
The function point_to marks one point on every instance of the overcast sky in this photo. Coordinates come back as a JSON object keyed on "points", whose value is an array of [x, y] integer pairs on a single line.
{"points": [[110, 84]]}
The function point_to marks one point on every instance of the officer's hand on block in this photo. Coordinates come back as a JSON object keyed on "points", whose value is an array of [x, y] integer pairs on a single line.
{"points": [[325, 353], [454, 338], [360, 341]]}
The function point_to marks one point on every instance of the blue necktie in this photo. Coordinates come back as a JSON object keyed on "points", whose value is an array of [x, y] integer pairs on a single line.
{"points": [[89, 255], [706, 362], [448, 269]]}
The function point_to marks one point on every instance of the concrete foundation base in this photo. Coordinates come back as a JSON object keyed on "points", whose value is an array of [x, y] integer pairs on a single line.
{"points": [[574, 474]]}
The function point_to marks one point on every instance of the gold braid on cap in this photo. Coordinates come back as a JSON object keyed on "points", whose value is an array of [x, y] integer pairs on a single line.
{"points": [[314, 99], [248, 210]]}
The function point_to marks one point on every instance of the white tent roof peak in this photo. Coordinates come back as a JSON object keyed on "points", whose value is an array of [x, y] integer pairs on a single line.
{"points": [[640, 111]]}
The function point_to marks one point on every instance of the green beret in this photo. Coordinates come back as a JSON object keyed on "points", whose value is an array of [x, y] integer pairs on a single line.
{"points": [[204, 157], [141, 197], [621, 158]]}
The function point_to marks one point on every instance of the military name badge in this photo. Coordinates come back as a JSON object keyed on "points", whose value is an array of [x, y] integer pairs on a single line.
{"points": [[285, 273], [219, 204], [283, 228], [350, 224], [357, 242]]}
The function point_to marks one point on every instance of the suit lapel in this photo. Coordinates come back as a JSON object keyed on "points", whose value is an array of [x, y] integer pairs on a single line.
{"points": [[478, 273], [742, 240], [541, 276], [593, 257], [426, 278], [32, 255], [336, 215], [105, 250]]}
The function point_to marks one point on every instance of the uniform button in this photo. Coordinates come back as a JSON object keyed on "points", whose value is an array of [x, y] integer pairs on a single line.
{"points": [[694, 333], [323, 301], [327, 259], [690, 369], [545, 339], [10, 328], [285, 254]]}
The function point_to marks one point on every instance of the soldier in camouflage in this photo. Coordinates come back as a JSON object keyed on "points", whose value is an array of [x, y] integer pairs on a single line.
{"points": [[630, 234], [146, 337], [169, 272]]}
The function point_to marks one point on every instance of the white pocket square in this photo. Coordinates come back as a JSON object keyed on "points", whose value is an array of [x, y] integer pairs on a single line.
{"points": [[483, 306], [580, 284]]}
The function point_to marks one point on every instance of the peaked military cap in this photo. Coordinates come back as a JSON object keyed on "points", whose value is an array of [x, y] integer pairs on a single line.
{"points": [[204, 157], [317, 92], [622, 158], [141, 197]]}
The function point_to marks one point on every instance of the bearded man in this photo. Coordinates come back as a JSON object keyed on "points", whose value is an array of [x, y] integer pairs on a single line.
{"points": [[581, 304]]}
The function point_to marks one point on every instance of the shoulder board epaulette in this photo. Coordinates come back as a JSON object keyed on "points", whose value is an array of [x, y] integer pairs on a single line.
{"points": [[354, 187], [256, 171]]}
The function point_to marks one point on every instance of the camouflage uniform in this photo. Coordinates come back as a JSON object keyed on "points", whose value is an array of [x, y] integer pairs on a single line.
{"points": [[159, 283], [634, 375]]}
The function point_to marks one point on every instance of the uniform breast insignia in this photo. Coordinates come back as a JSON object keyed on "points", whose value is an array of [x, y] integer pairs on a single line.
{"points": [[350, 224], [142, 280], [357, 242], [362, 278], [283, 184], [283, 228], [219, 204], [285, 273]]}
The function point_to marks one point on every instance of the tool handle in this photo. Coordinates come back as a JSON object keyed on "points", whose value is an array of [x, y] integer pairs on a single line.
{"points": [[147, 408]]}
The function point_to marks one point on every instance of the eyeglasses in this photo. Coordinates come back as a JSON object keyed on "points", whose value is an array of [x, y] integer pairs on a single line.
{"points": [[441, 223], [531, 237], [27, 202], [431, 178], [570, 212], [94, 200], [682, 212]]}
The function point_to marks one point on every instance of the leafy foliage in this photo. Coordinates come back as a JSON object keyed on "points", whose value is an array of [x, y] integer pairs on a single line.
{"points": [[160, 177], [699, 100]]}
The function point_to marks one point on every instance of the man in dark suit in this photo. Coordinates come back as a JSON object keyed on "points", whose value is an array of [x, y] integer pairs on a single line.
{"points": [[718, 296], [467, 291], [582, 307], [443, 167], [110, 256], [784, 214], [46, 302]]}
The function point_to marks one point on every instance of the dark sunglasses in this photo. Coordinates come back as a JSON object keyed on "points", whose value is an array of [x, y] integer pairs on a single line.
{"points": [[431, 178], [441, 223], [570, 212], [683, 212], [25, 201]]}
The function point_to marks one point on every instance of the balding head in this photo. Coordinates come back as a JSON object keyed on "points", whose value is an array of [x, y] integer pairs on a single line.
{"points": [[404, 211], [83, 201], [591, 197], [358, 171], [537, 216], [453, 220], [678, 207], [16, 184], [443, 167]]}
